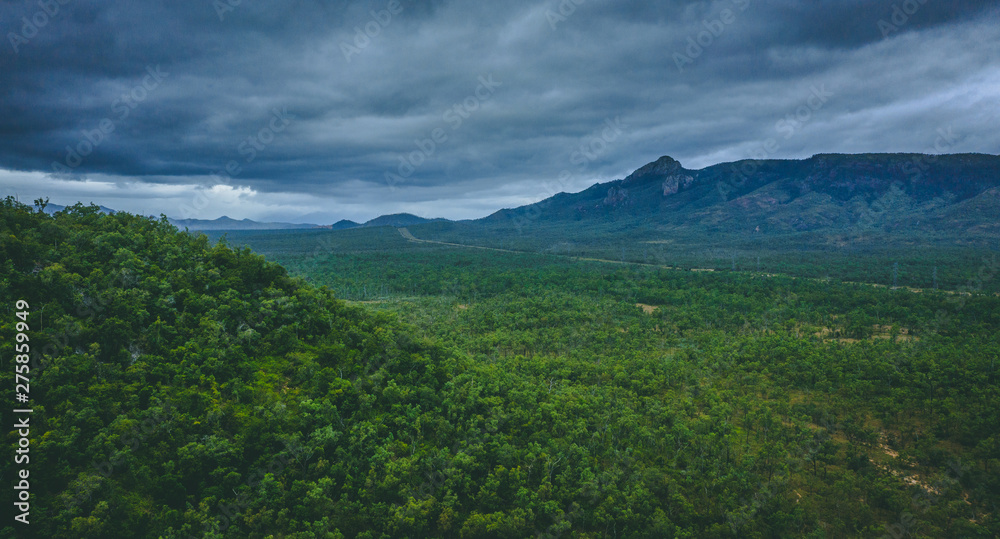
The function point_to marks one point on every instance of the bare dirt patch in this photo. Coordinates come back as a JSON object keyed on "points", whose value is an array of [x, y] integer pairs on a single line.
{"points": [[648, 309]]}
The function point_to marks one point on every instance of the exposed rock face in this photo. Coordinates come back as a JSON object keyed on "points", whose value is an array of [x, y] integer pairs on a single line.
{"points": [[676, 182], [616, 197]]}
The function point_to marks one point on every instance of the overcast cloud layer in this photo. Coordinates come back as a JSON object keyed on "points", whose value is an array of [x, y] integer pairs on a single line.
{"points": [[329, 110]]}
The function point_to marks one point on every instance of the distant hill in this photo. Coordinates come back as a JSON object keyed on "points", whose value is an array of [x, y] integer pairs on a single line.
{"points": [[344, 224], [227, 223], [51, 208], [399, 219]]}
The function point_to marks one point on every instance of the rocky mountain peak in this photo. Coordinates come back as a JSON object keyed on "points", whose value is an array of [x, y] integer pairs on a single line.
{"points": [[664, 166]]}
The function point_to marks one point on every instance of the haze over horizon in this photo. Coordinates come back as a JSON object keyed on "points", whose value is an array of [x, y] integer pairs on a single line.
{"points": [[333, 110]]}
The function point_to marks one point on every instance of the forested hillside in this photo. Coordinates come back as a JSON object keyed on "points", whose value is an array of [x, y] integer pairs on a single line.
{"points": [[183, 388]]}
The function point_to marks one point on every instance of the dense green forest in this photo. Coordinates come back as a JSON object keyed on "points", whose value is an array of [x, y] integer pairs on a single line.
{"points": [[899, 259], [373, 387]]}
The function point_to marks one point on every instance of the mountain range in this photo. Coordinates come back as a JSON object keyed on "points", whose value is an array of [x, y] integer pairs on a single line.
{"points": [[824, 191], [227, 223], [954, 195], [838, 196], [51, 208]]}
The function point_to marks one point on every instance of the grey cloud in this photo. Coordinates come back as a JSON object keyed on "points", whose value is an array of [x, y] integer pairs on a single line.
{"points": [[353, 119]]}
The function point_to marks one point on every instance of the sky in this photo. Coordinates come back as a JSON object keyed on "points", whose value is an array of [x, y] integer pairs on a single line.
{"points": [[313, 111]]}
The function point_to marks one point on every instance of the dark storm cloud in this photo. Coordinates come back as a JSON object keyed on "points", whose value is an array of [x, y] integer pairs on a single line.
{"points": [[306, 103]]}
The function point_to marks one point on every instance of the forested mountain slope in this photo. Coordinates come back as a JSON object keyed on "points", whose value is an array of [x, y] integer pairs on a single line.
{"points": [[179, 386]]}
